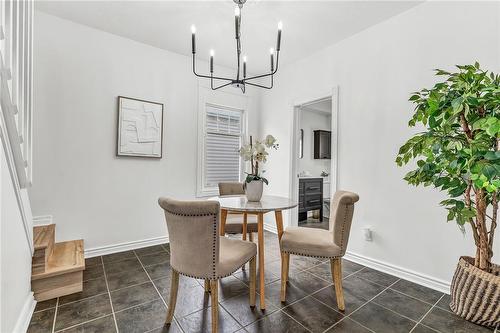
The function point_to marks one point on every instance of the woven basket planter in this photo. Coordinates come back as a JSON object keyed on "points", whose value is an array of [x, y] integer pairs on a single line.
{"points": [[475, 294]]}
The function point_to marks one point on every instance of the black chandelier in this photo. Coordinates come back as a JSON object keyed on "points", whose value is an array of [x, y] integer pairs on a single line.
{"points": [[238, 82]]}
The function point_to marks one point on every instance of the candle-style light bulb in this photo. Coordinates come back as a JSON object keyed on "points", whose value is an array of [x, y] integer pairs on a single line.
{"points": [[237, 22], [212, 61], [278, 42], [193, 39], [244, 66], [271, 51]]}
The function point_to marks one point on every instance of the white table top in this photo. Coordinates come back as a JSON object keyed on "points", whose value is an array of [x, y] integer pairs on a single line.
{"points": [[266, 204]]}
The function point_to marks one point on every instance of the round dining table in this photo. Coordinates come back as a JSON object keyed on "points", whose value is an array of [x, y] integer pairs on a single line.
{"points": [[268, 203]]}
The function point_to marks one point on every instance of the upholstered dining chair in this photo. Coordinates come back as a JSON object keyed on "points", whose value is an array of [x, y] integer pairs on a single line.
{"points": [[238, 223], [321, 243], [197, 250]]}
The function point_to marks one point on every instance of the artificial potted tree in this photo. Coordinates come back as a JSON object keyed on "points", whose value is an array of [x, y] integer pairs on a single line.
{"points": [[458, 153], [255, 153]]}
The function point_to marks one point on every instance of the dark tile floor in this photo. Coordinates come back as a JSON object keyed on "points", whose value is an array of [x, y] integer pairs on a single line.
{"points": [[128, 292]]}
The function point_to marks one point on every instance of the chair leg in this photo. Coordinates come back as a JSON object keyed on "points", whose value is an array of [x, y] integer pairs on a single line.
{"points": [[214, 285], [336, 266], [244, 227], [250, 236], [174, 286], [207, 285], [287, 268], [253, 280], [285, 257]]}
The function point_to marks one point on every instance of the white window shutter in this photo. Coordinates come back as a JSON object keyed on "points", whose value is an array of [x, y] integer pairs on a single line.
{"points": [[223, 132]]}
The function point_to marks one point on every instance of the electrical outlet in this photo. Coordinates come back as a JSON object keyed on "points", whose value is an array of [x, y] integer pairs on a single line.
{"points": [[367, 233]]}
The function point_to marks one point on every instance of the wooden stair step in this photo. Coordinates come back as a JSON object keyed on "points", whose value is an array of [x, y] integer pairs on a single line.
{"points": [[63, 273], [66, 257], [43, 236], [43, 241]]}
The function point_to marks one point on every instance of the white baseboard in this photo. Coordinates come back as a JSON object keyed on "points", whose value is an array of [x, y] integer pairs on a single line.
{"points": [[109, 249], [271, 227], [42, 220], [23, 321], [403, 273]]}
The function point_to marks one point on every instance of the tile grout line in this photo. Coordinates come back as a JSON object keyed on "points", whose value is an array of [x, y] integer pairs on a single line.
{"points": [[425, 315], [154, 286], [371, 299], [336, 310], [418, 299], [109, 295], [286, 314], [55, 315], [82, 323]]}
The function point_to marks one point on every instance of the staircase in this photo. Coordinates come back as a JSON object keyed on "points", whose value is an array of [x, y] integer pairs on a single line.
{"points": [[56, 268]]}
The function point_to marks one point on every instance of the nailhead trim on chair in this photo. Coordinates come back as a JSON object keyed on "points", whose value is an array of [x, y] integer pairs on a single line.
{"points": [[308, 255], [213, 278], [343, 227], [214, 266]]}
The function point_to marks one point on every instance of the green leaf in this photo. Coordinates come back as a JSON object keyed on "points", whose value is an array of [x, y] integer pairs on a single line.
{"points": [[492, 155]]}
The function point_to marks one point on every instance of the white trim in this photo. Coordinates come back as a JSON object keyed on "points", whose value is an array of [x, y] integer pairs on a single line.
{"points": [[294, 183], [23, 321], [271, 227], [20, 198], [133, 245], [401, 272], [42, 220]]}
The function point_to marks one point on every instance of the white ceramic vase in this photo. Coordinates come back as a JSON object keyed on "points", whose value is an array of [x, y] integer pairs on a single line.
{"points": [[253, 190]]}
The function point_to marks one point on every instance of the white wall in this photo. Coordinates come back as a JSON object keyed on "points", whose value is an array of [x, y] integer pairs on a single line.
{"points": [[309, 122], [376, 70], [91, 194], [17, 302]]}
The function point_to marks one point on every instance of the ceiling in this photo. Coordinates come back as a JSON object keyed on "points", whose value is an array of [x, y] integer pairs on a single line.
{"points": [[308, 26]]}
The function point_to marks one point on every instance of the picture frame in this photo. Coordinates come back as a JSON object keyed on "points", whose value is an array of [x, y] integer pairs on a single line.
{"points": [[140, 128]]}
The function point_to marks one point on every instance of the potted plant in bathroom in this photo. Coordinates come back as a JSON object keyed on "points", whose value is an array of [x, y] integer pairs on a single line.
{"points": [[458, 153], [255, 153]]}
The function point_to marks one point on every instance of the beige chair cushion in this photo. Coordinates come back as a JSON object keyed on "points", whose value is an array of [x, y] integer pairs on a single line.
{"points": [[309, 242], [234, 223], [233, 254]]}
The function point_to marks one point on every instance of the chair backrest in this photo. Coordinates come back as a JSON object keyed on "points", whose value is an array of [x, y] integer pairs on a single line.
{"points": [[231, 188], [341, 212], [193, 231]]}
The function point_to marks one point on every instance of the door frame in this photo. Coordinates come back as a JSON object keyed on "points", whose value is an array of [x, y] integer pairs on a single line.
{"points": [[294, 146]]}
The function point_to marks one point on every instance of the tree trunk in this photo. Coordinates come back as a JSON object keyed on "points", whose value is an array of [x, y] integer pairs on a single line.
{"points": [[484, 259]]}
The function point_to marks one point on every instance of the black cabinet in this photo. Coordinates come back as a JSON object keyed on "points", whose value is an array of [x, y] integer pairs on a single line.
{"points": [[310, 197], [322, 144]]}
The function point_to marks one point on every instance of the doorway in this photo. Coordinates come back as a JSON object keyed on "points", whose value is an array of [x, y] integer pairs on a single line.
{"points": [[314, 160]]}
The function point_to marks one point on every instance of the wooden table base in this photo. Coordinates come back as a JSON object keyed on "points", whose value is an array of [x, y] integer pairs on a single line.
{"points": [[260, 245]]}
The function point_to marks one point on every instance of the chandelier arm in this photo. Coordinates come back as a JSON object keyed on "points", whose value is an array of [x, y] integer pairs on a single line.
{"points": [[268, 74], [221, 86], [258, 85], [207, 76]]}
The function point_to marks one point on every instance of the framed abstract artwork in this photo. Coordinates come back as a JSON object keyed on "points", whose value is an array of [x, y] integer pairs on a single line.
{"points": [[140, 128]]}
